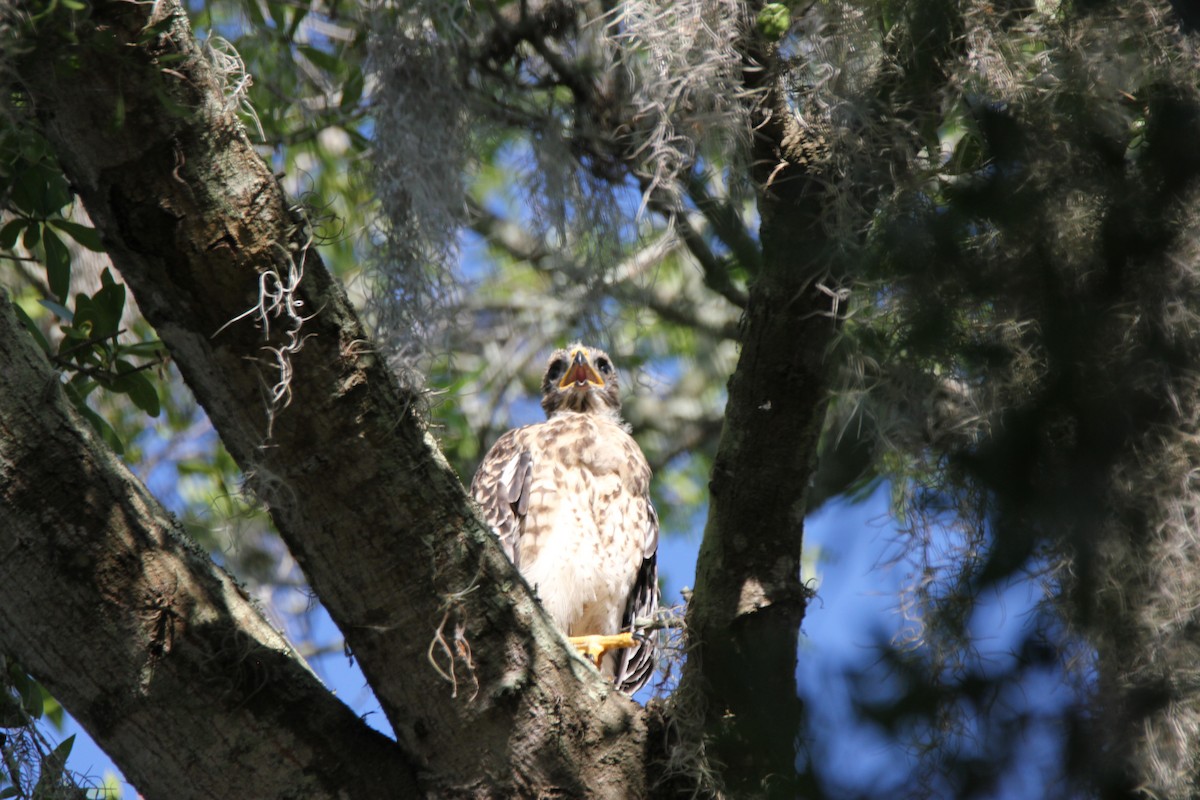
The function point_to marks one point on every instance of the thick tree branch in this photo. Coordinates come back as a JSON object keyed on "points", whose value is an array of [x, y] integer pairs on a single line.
{"points": [[156, 651], [469, 670], [748, 603], [744, 621]]}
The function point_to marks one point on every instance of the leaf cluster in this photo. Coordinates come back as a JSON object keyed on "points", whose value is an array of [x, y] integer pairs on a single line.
{"points": [[30, 766], [36, 199]]}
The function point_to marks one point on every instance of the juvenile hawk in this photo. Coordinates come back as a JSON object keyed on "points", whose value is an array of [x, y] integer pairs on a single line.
{"points": [[570, 500]]}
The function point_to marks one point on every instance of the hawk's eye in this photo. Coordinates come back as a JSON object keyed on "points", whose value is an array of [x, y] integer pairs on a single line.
{"points": [[557, 368], [603, 365]]}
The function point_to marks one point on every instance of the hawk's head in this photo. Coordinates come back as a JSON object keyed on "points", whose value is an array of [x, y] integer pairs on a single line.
{"points": [[582, 379]]}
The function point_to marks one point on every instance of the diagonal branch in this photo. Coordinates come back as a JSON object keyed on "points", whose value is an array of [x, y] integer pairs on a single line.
{"points": [[726, 222], [716, 270], [200, 230], [155, 650]]}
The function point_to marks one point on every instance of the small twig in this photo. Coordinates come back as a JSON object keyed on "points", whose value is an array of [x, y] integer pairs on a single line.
{"points": [[661, 621], [716, 271], [92, 372], [568, 77], [88, 342], [311, 651], [673, 311]]}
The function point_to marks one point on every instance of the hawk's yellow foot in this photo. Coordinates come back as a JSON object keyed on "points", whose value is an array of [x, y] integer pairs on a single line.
{"points": [[596, 645]]}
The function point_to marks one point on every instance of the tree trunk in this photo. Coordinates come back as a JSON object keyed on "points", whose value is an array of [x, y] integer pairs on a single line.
{"points": [[744, 621]]}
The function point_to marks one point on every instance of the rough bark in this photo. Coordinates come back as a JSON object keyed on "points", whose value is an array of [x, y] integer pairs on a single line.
{"points": [[745, 616], [156, 651], [198, 226]]}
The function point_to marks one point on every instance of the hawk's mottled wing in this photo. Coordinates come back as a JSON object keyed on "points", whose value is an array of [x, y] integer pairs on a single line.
{"points": [[635, 665], [501, 487]]}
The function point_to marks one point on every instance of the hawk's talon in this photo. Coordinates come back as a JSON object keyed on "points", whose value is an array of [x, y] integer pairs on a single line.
{"points": [[595, 646]]}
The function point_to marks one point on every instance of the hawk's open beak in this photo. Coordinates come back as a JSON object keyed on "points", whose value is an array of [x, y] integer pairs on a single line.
{"points": [[580, 373]]}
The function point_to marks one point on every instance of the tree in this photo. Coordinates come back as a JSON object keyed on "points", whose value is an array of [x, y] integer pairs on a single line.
{"points": [[967, 224]]}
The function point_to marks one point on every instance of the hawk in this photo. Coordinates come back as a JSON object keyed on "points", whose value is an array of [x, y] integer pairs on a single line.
{"points": [[569, 499]]}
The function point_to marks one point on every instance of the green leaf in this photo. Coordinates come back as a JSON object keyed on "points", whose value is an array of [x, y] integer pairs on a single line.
{"points": [[108, 304], [58, 309], [298, 16], [111, 788], [87, 237], [30, 692], [74, 334], [60, 753], [138, 386], [40, 190], [254, 11], [144, 394], [156, 29], [326, 61], [58, 264], [97, 422], [11, 231], [99, 316], [80, 387], [352, 89], [10, 711], [53, 767], [969, 155], [54, 710], [278, 12], [11, 791], [151, 349], [358, 141], [33, 236], [192, 466]]}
